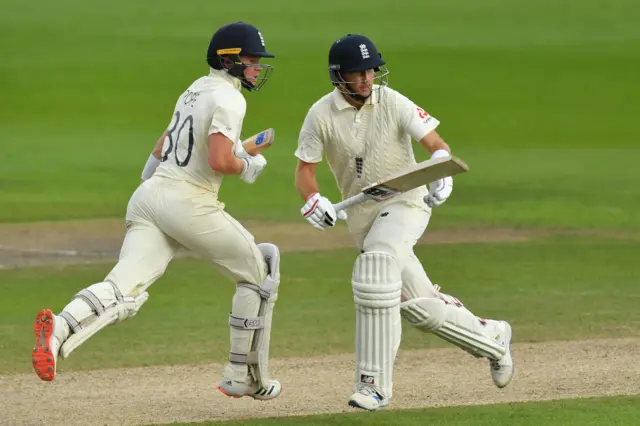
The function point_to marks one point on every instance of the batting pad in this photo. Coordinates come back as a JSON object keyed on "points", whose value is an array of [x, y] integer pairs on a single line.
{"points": [[96, 307], [250, 321], [424, 313], [467, 331], [377, 287]]}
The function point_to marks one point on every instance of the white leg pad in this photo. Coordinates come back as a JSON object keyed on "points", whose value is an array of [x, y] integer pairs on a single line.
{"points": [[377, 287], [258, 327], [94, 308], [469, 332], [424, 313], [449, 319]]}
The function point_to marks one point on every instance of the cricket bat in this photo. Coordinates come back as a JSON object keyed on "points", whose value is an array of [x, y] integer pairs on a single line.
{"points": [[413, 177], [259, 142]]}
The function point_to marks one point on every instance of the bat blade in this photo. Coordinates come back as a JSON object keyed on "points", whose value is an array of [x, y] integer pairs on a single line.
{"points": [[422, 173], [259, 142], [405, 180]]}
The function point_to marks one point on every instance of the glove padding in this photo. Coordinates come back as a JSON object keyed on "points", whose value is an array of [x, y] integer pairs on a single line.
{"points": [[319, 212], [253, 166], [439, 191]]}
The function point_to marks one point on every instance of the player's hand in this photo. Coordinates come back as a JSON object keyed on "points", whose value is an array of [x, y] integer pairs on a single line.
{"points": [[319, 212], [439, 191], [253, 166]]}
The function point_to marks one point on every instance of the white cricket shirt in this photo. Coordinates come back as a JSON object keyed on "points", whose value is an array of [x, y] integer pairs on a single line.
{"points": [[363, 146], [212, 104]]}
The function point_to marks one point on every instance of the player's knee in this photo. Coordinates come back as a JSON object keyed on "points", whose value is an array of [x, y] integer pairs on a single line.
{"points": [[100, 296], [131, 275], [265, 285], [424, 313], [376, 280], [94, 301], [271, 258], [94, 308], [254, 270]]}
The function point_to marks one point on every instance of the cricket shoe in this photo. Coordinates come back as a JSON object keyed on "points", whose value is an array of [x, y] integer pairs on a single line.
{"points": [[368, 399], [502, 369], [254, 390], [45, 351]]}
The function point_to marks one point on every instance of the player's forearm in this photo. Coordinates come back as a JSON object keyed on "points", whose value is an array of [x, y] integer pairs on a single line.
{"points": [[230, 165], [432, 142], [221, 156], [306, 182], [440, 146]]}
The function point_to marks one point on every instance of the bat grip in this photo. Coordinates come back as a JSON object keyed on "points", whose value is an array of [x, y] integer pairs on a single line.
{"points": [[351, 201]]}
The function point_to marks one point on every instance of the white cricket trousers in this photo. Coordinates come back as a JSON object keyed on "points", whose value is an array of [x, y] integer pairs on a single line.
{"points": [[395, 230], [164, 215]]}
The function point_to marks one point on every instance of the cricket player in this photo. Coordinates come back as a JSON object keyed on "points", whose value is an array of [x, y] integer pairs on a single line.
{"points": [[365, 130], [177, 206]]}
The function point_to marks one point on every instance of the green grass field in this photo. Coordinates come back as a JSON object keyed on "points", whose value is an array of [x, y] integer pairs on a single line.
{"points": [[549, 289], [528, 283], [604, 411], [540, 98]]}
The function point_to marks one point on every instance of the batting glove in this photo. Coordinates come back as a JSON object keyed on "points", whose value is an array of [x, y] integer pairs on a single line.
{"points": [[439, 191], [319, 212], [253, 166]]}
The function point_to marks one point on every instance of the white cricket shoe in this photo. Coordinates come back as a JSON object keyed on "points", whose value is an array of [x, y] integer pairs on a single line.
{"points": [[368, 399], [502, 369], [238, 390]]}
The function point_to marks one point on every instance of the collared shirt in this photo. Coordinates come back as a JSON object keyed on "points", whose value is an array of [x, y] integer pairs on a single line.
{"points": [[366, 145], [212, 104]]}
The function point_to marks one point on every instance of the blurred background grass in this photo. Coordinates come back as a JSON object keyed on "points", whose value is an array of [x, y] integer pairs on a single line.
{"points": [[540, 98]]}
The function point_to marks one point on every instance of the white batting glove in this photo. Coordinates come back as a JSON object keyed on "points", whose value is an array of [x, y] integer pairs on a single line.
{"points": [[253, 166], [319, 212], [439, 191]]}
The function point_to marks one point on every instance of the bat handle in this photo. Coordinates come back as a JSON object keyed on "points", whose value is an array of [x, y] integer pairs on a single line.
{"points": [[351, 201]]}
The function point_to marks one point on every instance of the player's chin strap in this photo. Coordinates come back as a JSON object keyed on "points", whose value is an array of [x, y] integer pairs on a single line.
{"points": [[357, 97], [123, 308], [258, 356], [354, 96]]}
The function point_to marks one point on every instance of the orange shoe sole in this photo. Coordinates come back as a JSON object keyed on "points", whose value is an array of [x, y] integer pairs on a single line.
{"points": [[221, 389], [42, 357]]}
